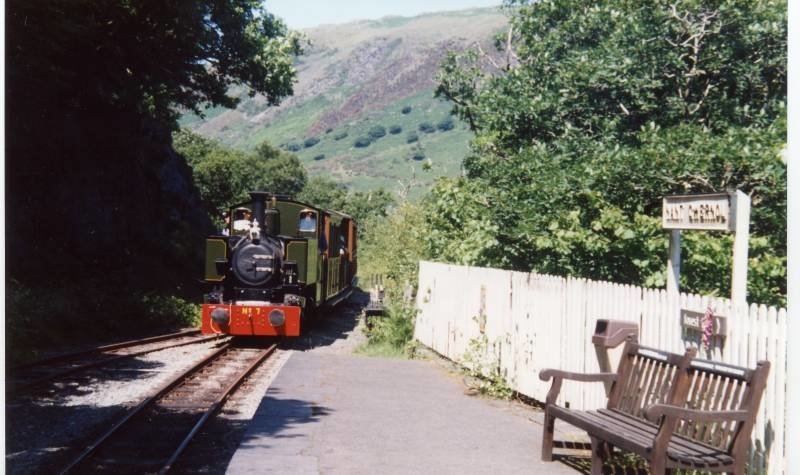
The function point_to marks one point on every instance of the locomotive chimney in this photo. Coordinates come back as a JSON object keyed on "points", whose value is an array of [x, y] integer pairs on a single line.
{"points": [[259, 206]]}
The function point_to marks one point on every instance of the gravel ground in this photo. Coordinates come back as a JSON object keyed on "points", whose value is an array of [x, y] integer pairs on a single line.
{"points": [[45, 432]]}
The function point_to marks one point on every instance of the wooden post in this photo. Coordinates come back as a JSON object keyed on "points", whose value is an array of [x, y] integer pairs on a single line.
{"points": [[741, 211], [674, 262], [790, 158]]}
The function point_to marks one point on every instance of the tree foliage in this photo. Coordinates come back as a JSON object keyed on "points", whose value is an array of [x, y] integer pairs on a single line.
{"points": [[149, 56], [590, 112], [224, 176]]}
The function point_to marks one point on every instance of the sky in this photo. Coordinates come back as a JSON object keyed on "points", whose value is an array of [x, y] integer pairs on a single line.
{"points": [[307, 13]]}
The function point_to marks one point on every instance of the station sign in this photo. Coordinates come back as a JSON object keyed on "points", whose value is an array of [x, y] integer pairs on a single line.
{"points": [[708, 212]]}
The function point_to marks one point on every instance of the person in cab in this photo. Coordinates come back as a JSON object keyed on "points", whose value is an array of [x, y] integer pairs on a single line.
{"points": [[242, 220], [308, 224]]}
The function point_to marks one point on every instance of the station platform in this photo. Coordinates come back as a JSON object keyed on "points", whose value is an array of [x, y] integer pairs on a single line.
{"points": [[333, 413]]}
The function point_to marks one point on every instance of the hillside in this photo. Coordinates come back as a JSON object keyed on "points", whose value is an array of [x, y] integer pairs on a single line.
{"points": [[357, 76]]}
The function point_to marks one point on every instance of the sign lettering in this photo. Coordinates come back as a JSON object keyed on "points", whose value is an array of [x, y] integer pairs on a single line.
{"points": [[696, 321], [704, 212]]}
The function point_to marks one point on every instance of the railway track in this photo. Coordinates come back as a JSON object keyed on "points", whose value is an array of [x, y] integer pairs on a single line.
{"points": [[24, 378], [151, 437]]}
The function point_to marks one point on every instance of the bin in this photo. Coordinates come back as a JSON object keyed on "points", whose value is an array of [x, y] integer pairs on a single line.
{"points": [[609, 335]]}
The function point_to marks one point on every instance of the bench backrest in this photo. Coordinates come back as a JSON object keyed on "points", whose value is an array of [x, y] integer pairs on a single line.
{"points": [[720, 387], [646, 376]]}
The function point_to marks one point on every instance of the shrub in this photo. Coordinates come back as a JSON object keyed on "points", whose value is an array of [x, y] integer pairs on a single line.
{"points": [[340, 136], [395, 129], [406, 109], [427, 127], [412, 137], [328, 130], [390, 334], [418, 155], [292, 146], [377, 132], [362, 142], [321, 156], [445, 124], [310, 142]]}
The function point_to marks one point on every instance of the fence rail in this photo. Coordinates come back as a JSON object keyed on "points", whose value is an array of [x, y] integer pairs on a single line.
{"points": [[528, 322]]}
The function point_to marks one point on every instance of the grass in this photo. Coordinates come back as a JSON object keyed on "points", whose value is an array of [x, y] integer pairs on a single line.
{"points": [[390, 335], [381, 350]]}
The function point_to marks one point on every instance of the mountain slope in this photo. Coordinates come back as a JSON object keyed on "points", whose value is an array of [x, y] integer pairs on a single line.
{"points": [[357, 76]]}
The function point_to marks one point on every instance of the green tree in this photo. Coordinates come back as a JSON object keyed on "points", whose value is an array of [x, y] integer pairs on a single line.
{"points": [[149, 56], [324, 192], [603, 108], [272, 169], [445, 124], [377, 131], [362, 142], [225, 176]]}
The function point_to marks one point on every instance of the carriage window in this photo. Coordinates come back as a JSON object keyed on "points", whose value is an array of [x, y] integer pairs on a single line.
{"points": [[308, 222]]}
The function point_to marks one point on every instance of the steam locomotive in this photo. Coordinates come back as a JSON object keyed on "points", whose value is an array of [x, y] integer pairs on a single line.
{"points": [[274, 264]]}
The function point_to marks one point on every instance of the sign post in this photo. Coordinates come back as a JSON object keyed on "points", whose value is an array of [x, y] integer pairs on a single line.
{"points": [[741, 237], [728, 212]]}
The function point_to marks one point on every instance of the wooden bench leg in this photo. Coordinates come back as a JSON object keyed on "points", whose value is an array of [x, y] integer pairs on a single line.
{"points": [[658, 466], [598, 454], [547, 437]]}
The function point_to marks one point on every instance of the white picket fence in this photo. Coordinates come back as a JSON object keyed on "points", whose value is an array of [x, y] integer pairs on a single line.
{"points": [[533, 321]]}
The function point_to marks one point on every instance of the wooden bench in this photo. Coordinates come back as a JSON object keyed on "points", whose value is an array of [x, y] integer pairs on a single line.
{"points": [[675, 411]]}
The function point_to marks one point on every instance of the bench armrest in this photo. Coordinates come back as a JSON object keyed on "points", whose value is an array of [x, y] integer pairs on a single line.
{"points": [[655, 411], [546, 374], [559, 376]]}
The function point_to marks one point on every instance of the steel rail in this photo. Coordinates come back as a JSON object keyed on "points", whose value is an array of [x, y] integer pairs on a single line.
{"points": [[216, 406], [143, 405], [15, 391], [103, 348]]}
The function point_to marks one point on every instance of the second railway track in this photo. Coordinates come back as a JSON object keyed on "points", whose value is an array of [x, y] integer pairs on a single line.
{"points": [[24, 378], [152, 436]]}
